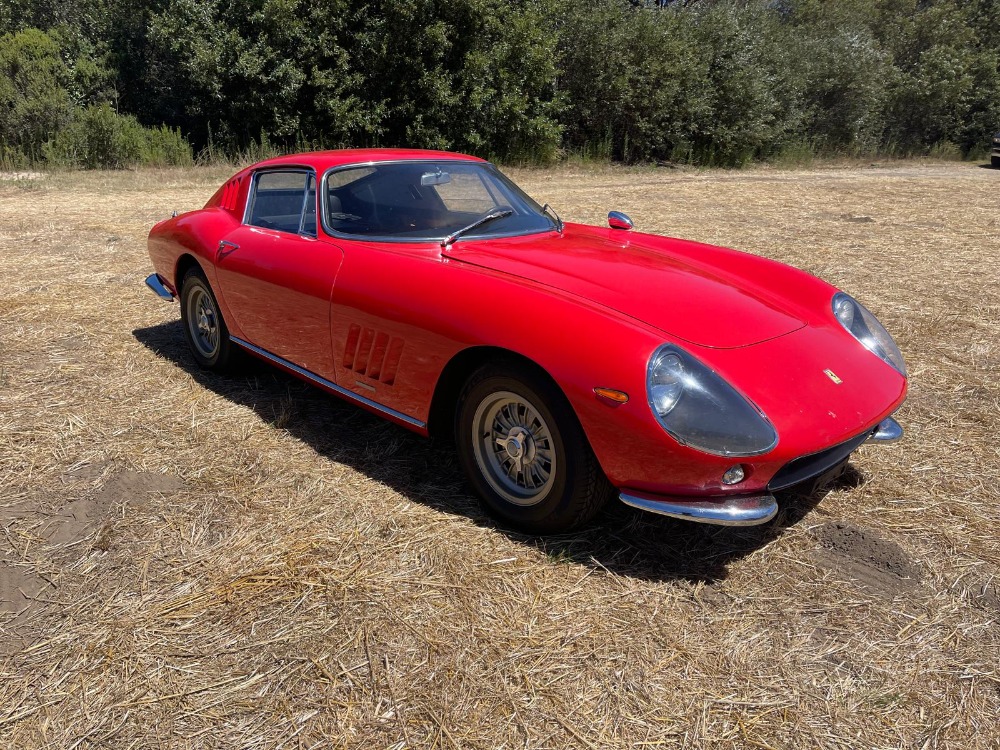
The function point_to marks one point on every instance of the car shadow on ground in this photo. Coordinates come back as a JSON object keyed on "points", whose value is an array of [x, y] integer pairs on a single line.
{"points": [[622, 540]]}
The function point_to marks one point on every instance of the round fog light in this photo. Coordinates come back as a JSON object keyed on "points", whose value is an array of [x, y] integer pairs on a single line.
{"points": [[734, 475]]}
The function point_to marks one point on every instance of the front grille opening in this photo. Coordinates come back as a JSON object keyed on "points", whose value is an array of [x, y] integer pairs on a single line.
{"points": [[808, 467]]}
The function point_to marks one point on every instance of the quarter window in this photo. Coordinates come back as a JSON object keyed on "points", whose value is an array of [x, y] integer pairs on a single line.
{"points": [[285, 201]]}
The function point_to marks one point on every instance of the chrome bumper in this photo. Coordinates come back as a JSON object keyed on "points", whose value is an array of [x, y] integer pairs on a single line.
{"points": [[154, 283], [888, 431], [725, 511], [749, 510]]}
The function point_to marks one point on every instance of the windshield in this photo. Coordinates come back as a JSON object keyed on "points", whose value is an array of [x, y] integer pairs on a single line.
{"points": [[420, 201]]}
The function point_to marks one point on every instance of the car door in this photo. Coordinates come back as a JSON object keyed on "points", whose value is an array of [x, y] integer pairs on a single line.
{"points": [[275, 274]]}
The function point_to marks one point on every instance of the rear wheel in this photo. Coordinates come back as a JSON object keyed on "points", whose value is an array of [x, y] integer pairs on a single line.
{"points": [[524, 452], [204, 327]]}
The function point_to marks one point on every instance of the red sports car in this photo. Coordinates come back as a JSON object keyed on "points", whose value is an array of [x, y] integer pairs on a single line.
{"points": [[567, 362]]}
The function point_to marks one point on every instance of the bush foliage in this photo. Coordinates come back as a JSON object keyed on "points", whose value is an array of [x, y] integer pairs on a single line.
{"points": [[99, 138], [116, 82]]}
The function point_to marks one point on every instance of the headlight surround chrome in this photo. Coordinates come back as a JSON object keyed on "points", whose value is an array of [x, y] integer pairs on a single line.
{"points": [[699, 409], [864, 326]]}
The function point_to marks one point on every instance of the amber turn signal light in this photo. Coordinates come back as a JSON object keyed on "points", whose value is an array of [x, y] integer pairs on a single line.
{"points": [[618, 397]]}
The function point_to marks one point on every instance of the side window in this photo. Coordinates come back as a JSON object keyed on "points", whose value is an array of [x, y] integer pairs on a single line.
{"points": [[285, 201]]}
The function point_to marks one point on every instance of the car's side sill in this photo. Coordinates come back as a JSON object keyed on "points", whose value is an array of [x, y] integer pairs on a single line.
{"points": [[328, 385], [737, 510]]}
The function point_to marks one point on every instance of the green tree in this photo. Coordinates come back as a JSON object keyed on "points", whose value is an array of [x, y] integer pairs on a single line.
{"points": [[753, 89], [635, 81], [845, 73], [34, 98], [97, 137], [946, 86], [472, 74], [708, 83]]}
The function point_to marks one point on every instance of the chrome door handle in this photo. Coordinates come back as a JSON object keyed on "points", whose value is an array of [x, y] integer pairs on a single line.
{"points": [[226, 247]]}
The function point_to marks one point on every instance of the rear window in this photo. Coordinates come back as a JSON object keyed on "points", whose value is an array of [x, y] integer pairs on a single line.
{"points": [[285, 201]]}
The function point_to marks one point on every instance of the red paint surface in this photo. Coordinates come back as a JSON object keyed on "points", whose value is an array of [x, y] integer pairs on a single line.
{"points": [[589, 306]]}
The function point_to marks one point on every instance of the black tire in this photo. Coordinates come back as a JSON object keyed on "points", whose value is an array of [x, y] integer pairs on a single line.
{"points": [[570, 486], [995, 162], [204, 327]]}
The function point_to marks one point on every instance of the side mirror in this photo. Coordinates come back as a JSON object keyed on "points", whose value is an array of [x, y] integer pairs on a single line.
{"points": [[618, 220]]}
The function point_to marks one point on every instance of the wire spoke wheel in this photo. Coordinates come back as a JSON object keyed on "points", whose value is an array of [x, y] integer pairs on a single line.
{"points": [[513, 448]]}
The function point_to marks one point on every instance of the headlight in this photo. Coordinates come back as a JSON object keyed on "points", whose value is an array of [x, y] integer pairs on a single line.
{"points": [[701, 410], [865, 327]]}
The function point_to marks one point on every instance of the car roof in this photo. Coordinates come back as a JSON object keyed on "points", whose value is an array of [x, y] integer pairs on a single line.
{"points": [[323, 160]]}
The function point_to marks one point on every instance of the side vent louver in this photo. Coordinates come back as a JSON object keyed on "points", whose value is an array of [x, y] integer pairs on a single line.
{"points": [[373, 353], [230, 194]]}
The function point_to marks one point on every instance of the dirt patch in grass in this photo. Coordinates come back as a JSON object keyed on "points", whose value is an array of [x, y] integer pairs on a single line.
{"points": [[18, 588], [880, 566], [189, 561]]}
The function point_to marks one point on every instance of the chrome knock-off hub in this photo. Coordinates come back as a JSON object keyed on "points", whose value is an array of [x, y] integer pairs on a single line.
{"points": [[520, 447], [205, 322]]}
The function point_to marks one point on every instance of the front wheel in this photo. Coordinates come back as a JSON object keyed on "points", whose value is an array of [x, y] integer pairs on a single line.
{"points": [[204, 328], [524, 452], [995, 162]]}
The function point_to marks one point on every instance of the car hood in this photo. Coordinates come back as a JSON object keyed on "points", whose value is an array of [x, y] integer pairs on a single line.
{"points": [[701, 294]]}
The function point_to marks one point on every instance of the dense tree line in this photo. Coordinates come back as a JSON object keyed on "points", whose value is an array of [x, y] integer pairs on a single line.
{"points": [[115, 82]]}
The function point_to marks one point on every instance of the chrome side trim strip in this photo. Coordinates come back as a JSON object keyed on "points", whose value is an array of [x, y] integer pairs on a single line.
{"points": [[330, 386], [154, 283], [888, 431], [726, 511]]}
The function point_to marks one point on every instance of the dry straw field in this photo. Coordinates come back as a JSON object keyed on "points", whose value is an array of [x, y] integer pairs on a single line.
{"points": [[190, 561]]}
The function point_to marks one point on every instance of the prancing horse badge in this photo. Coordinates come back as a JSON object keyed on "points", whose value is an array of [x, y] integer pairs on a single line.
{"points": [[833, 376]]}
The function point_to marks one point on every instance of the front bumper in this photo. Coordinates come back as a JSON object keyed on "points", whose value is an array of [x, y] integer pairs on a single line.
{"points": [[737, 510], [750, 510]]}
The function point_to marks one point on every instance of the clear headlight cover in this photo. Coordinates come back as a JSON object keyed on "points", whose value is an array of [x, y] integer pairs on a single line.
{"points": [[701, 410], [864, 326]]}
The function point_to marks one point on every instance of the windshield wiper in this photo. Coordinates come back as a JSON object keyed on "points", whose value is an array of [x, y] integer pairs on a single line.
{"points": [[547, 209], [491, 216]]}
